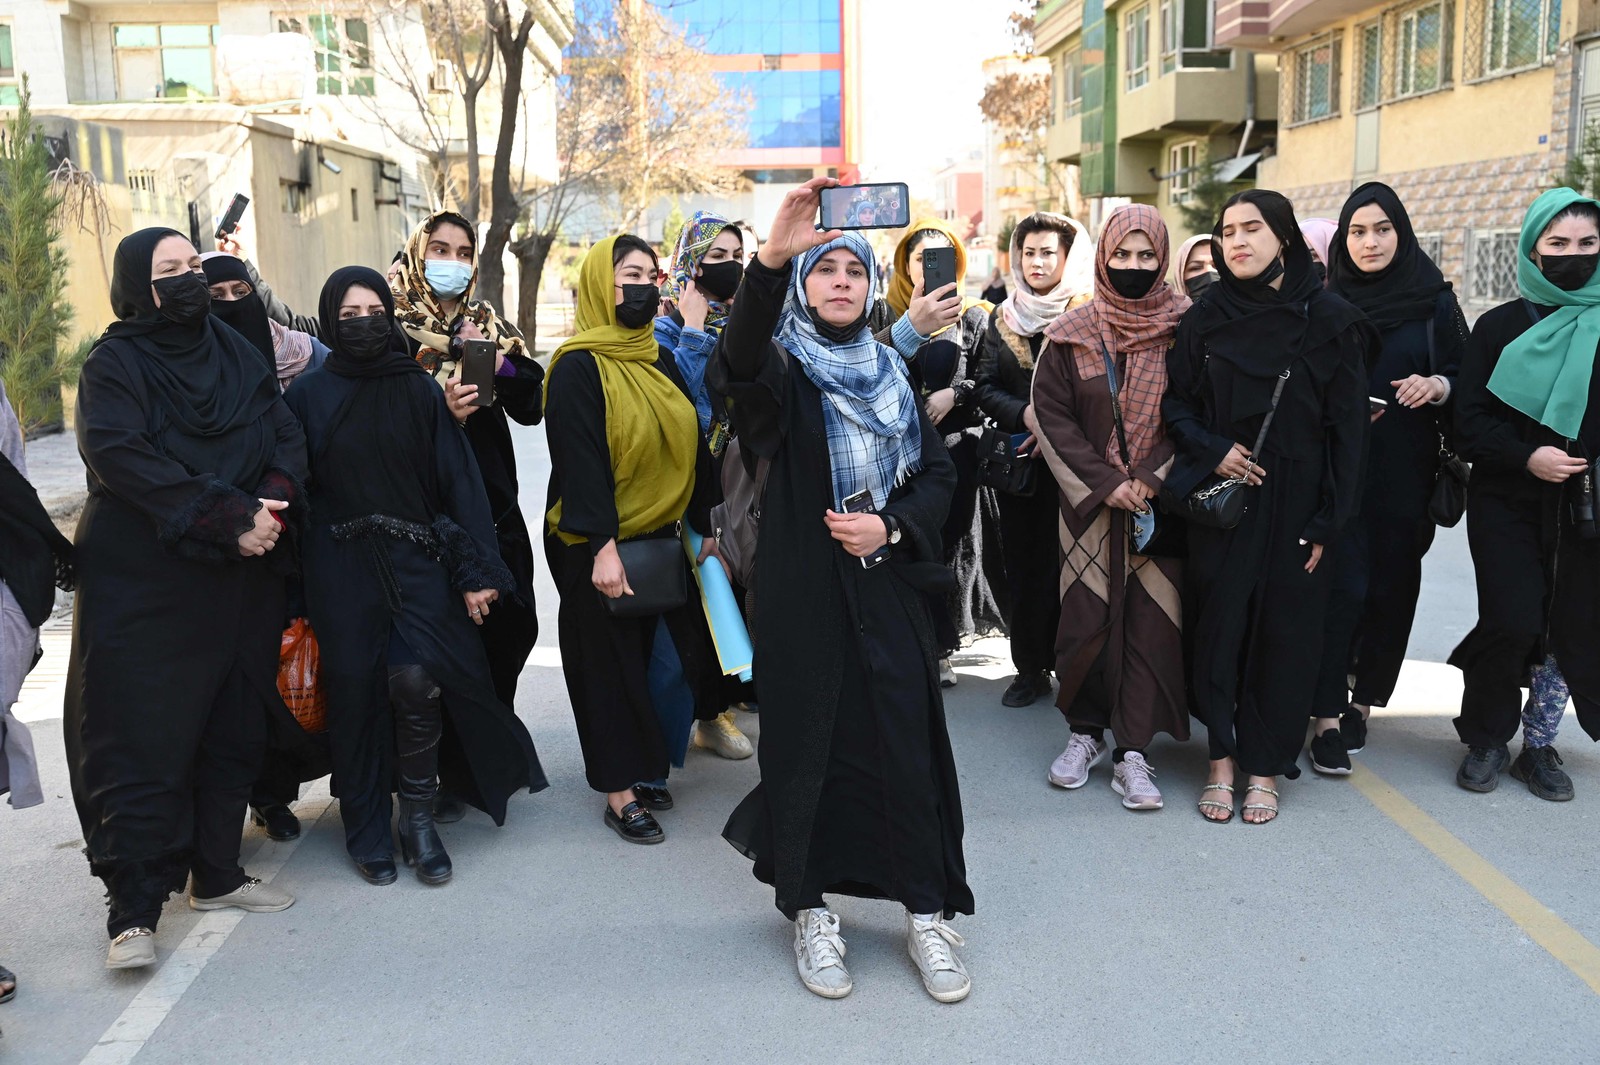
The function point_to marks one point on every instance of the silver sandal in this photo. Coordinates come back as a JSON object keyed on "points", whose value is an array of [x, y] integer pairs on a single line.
{"points": [[1264, 790], [1213, 804]]}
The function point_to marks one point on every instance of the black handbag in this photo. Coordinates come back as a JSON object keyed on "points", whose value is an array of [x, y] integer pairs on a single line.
{"points": [[999, 466], [1169, 538], [1223, 502], [1448, 500], [657, 571]]}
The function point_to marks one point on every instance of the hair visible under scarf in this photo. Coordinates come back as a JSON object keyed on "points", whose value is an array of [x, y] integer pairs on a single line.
{"points": [[1141, 330], [1027, 312], [1180, 262], [695, 240], [1407, 290], [211, 384], [1545, 372], [901, 287], [421, 312], [869, 410], [334, 290]]}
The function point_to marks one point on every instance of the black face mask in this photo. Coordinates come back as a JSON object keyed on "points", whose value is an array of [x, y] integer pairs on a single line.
{"points": [[1197, 285], [720, 280], [638, 307], [1569, 273], [1321, 270], [836, 334], [1132, 284], [185, 298], [366, 338], [1273, 271]]}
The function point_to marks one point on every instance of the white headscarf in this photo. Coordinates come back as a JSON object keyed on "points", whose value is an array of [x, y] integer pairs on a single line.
{"points": [[1027, 312]]}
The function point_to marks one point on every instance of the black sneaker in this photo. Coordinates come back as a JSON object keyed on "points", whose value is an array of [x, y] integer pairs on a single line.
{"points": [[635, 824], [279, 821], [1353, 727], [1026, 688], [653, 796], [1480, 769], [1538, 768], [1328, 754]]}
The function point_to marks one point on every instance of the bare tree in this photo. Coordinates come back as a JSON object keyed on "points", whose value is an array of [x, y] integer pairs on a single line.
{"points": [[510, 34], [1018, 106]]}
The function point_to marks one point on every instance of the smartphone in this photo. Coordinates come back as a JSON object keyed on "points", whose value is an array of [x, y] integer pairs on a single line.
{"points": [[231, 217], [882, 206], [938, 269], [1374, 404], [477, 368], [861, 503], [1017, 440]]}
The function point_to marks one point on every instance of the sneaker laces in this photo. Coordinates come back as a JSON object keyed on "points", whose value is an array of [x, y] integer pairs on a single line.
{"points": [[725, 725], [249, 885], [1080, 749], [1546, 754], [1136, 772], [823, 942], [934, 940]]}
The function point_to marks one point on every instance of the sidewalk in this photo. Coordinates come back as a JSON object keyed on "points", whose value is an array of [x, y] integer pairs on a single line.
{"points": [[57, 473]]}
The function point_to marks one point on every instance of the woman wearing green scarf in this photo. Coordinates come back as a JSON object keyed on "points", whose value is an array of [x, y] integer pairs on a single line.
{"points": [[626, 461], [1528, 418]]}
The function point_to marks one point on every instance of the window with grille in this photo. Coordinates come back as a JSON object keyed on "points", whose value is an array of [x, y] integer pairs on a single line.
{"points": [[1505, 36], [1432, 245], [1071, 83], [142, 181], [1183, 161], [293, 197], [1491, 265], [1186, 40], [1314, 88], [1422, 43], [1369, 65], [343, 51], [1136, 37]]}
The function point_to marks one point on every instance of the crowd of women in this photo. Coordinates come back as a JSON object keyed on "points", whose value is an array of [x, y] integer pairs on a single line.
{"points": [[1199, 498]]}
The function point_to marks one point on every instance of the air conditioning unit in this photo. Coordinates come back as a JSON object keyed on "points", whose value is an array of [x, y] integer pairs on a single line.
{"points": [[443, 77]]}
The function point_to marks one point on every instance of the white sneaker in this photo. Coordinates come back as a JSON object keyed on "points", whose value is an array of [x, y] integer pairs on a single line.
{"points": [[721, 736], [252, 896], [1131, 780], [819, 953], [929, 943], [1071, 770], [947, 674]]}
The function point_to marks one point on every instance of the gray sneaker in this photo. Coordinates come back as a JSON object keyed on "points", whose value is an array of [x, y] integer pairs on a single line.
{"points": [[929, 943], [819, 954], [252, 896], [1131, 780], [1071, 769], [133, 949]]}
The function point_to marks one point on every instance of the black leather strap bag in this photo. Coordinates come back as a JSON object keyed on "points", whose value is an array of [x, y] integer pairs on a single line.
{"points": [[657, 571], [999, 466], [1447, 503]]}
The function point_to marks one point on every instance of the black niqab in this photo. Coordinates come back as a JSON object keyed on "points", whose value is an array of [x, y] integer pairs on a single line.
{"points": [[210, 385], [247, 316], [1260, 329], [1404, 291]]}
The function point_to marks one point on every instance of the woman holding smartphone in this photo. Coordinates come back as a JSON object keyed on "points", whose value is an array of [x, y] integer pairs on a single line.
{"points": [[858, 792], [1528, 417], [1052, 271], [1268, 338]]}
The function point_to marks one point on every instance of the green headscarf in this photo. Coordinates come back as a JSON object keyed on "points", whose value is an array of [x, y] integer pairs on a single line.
{"points": [[1545, 372]]}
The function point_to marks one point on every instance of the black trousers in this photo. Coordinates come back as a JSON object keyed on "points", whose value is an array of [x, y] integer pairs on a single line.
{"points": [[1347, 562], [957, 524], [1394, 581], [1030, 545]]}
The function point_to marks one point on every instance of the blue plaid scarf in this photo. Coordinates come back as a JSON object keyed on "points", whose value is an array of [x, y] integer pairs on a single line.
{"points": [[869, 409]]}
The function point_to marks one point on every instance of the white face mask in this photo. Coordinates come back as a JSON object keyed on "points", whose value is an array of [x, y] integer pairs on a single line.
{"points": [[447, 278]]}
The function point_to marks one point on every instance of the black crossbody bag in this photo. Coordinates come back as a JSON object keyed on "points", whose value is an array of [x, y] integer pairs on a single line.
{"points": [[658, 573], [1222, 502], [1448, 500], [1169, 538]]}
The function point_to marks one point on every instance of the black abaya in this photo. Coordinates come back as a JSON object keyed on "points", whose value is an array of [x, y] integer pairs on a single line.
{"points": [[858, 791]]}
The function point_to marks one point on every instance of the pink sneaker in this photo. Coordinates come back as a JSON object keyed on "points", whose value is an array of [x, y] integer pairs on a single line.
{"points": [[1071, 770], [1131, 780]]}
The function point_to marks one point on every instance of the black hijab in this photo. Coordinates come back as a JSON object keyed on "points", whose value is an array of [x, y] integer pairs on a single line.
{"points": [[1259, 329], [398, 359], [248, 316], [35, 558], [211, 387], [1404, 291]]}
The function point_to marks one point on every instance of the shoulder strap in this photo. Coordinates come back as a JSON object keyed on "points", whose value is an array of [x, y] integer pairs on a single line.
{"points": [[1116, 404], [1433, 353], [1266, 423]]}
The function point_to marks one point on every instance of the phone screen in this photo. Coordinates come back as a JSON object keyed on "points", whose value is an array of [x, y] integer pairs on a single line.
{"points": [[231, 217], [882, 206]]}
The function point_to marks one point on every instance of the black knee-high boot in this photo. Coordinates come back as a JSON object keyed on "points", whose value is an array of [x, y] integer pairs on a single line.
{"points": [[417, 726]]}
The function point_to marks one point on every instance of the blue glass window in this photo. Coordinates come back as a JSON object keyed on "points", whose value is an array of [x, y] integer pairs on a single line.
{"points": [[791, 108], [738, 27]]}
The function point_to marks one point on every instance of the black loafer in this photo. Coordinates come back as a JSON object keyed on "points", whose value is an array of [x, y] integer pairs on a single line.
{"points": [[447, 809], [379, 871], [281, 824], [635, 824], [1026, 688], [1480, 769], [653, 796], [1539, 768], [1353, 727]]}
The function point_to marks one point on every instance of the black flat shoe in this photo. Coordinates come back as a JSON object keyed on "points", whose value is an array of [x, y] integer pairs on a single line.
{"points": [[1480, 769], [1353, 727], [1026, 688], [1328, 754], [281, 824], [635, 824], [653, 796], [379, 871], [447, 809]]}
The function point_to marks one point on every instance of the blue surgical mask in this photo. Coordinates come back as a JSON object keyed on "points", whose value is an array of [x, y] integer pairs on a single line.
{"points": [[447, 277]]}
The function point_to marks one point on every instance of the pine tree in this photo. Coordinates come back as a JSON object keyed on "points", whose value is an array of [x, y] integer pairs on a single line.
{"points": [[34, 315]]}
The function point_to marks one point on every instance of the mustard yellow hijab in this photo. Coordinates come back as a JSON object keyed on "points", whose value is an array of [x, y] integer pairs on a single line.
{"points": [[901, 287], [651, 427]]}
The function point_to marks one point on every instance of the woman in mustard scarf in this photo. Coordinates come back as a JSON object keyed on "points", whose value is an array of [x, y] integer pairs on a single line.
{"points": [[1528, 418], [626, 461]]}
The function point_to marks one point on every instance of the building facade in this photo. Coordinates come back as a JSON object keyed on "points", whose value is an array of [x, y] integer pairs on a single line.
{"points": [[1015, 182], [1147, 100], [1466, 107]]}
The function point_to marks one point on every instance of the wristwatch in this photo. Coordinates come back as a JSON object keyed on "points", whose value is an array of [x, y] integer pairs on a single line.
{"points": [[892, 523]]}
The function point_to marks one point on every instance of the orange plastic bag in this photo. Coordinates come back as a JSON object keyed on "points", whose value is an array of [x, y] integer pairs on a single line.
{"points": [[298, 662]]}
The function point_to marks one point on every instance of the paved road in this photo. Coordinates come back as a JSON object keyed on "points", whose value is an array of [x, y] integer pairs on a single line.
{"points": [[1388, 918]]}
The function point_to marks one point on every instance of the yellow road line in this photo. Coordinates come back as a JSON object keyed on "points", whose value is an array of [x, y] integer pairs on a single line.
{"points": [[1565, 943]]}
